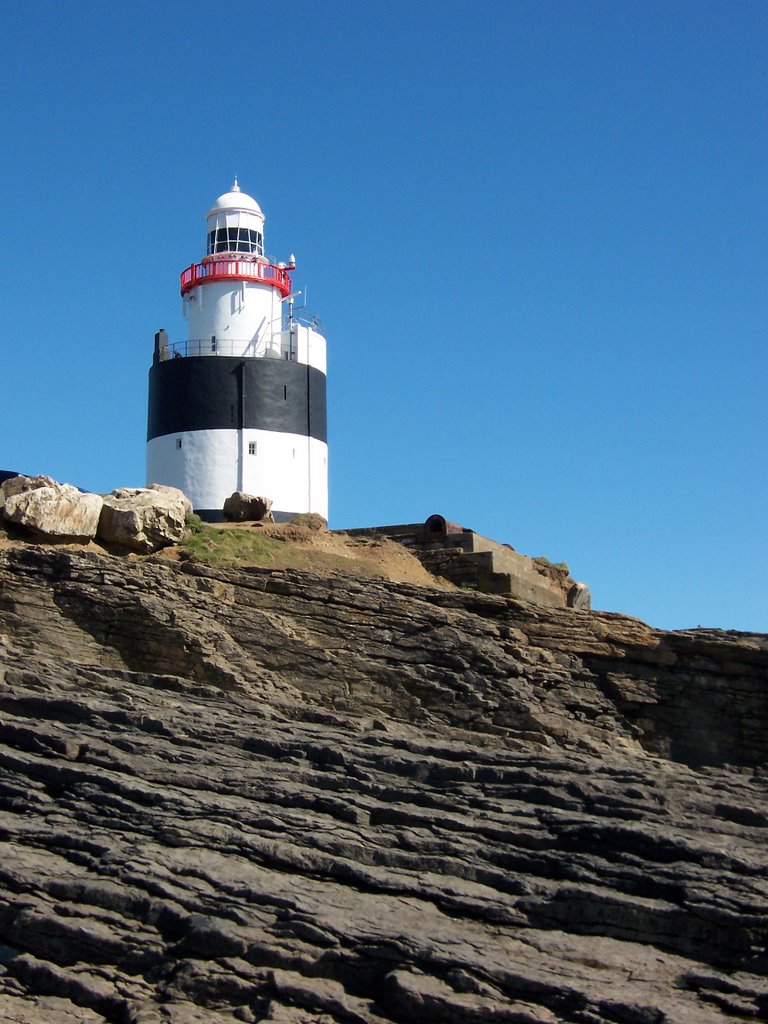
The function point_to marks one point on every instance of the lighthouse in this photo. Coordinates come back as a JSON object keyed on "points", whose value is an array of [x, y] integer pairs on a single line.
{"points": [[240, 405]]}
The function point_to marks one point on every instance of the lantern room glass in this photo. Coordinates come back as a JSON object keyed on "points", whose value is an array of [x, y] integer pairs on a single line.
{"points": [[235, 240]]}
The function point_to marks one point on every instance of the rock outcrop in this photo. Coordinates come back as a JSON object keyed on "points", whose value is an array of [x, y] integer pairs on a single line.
{"points": [[269, 796], [240, 507], [141, 519], [46, 507], [173, 492], [144, 519]]}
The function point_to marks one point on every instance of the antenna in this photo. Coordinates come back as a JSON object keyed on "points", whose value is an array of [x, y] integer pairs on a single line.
{"points": [[289, 299]]}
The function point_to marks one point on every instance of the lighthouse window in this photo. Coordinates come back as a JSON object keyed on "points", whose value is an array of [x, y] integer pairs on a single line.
{"points": [[251, 447], [235, 240], [178, 442]]}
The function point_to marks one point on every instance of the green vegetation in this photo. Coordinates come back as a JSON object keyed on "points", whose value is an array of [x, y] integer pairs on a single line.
{"points": [[248, 546], [545, 562], [230, 547]]}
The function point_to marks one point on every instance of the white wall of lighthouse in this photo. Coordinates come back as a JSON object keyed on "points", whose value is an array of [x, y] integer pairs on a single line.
{"points": [[244, 320], [240, 404], [291, 469]]}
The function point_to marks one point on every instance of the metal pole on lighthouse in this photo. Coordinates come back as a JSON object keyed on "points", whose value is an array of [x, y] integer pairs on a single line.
{"points": [[240, 405]]}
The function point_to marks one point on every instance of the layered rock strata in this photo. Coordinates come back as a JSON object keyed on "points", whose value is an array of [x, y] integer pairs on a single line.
{"points": [[251, 795]]}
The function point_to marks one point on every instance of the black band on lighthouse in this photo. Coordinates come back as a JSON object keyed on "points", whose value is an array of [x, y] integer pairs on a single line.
{"points": [[228, 393]]}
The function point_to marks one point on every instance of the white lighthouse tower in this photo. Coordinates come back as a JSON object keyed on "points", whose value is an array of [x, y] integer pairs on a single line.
{"points": [[240, 405]]}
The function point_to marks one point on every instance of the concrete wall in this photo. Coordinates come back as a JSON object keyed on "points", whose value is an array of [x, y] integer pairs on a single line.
{"points": [[470, 560]]}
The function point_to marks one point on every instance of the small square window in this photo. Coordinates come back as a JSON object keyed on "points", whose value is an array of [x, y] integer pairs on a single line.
{"points": [[251, 447], [178, 442]]}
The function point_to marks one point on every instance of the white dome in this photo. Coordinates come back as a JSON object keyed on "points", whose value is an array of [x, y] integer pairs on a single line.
{"points": [[235, 200]]}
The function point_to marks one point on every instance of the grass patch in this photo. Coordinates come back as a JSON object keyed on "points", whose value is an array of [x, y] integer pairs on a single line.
{"points": [[248, 547], [230, 547], [545, 562]]}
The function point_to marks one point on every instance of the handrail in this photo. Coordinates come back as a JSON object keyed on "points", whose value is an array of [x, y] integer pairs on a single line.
{"points": [[272, 346], [235, 270], [222, 347]]}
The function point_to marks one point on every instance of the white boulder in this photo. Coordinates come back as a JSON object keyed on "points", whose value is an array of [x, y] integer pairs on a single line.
{"points": [[19, 484], [51, 508], [143, 519], [165, 489]]}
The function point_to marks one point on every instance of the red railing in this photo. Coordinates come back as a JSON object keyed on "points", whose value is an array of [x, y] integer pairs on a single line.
{"points": [[235, 270]]}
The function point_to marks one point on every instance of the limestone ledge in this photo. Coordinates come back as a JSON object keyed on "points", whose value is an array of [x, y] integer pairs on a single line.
{"points": [[270, 796]]}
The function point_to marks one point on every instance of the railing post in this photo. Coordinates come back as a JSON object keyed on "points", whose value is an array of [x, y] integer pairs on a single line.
{"points": [[161, 347]]}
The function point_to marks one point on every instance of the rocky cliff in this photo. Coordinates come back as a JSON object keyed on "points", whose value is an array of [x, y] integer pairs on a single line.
{"points": [[269, 795]]}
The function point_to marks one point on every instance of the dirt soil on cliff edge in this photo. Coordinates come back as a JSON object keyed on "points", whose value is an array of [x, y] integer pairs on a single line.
{"points": [[321, 551], [272, 546]]}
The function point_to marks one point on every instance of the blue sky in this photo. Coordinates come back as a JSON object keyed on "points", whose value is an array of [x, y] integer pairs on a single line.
{"points": [[535, 233]]}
